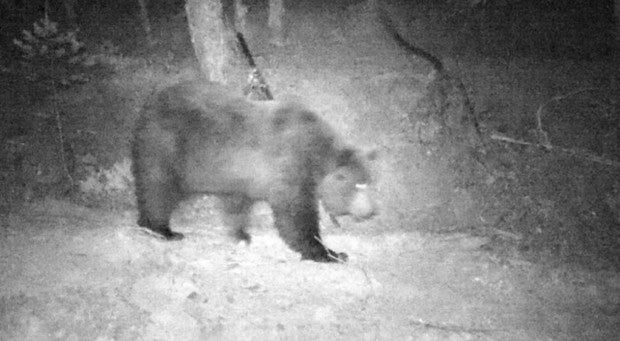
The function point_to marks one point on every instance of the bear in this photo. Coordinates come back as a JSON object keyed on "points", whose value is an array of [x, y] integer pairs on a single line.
{"points": [[194, 137]]}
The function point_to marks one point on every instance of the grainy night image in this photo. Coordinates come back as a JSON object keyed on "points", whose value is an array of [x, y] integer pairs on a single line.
{"points": [[309, 170]]}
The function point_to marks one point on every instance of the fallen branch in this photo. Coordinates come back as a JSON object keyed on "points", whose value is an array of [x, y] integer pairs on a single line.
{"points": [[505, 234], [583, 154], [453, 328], [544, 141], [543, 137]]}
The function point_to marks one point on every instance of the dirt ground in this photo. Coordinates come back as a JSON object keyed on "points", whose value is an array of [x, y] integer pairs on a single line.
{"points": [[490, 249], [71, 273]]}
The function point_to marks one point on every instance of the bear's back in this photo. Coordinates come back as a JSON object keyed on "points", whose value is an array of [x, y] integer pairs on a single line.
{"points": [[211, 111], [239, 142]]}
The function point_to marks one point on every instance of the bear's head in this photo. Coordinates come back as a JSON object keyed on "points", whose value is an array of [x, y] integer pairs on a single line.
{"points": [[344, 190]]}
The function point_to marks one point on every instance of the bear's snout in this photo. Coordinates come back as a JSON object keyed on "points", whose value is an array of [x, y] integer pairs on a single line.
{"points": [[362, 207]]}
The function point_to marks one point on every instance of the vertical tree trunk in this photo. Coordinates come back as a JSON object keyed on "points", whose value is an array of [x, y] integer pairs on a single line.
{"points": [[615, 81], [276, 14], [617, 14], [214, 44], [70, 11], [146, 24]]}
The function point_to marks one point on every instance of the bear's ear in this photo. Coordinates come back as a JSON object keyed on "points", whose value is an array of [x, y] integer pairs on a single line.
{"points": [[345, 157], [372, 154], [351, 155]]}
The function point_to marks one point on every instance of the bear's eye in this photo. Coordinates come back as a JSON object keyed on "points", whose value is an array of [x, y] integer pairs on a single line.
{"points": [[361, 186]]}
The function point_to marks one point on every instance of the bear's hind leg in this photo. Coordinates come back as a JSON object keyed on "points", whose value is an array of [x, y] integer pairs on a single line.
{"points": [[236, 211], [298, 225]]}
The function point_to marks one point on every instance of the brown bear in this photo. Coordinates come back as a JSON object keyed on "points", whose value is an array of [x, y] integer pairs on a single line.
{"points": [[195, 138]]}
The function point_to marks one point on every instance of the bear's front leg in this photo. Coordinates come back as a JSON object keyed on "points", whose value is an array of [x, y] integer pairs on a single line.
{"points": [[157, 195], [298, 225], [165, 231], [160, 229]]}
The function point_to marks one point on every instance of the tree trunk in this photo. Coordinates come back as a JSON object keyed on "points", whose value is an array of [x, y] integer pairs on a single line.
{"points": [[617, 14], [240, 15], [144, 20], [276, 14], [214, 43], [70, 11]]}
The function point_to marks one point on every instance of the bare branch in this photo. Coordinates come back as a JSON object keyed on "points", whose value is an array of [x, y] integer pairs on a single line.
{"points": [[579, 153]]}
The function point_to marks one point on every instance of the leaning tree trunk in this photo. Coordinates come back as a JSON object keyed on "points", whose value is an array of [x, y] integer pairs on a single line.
{"points": [[214, 42], [240, 16]]}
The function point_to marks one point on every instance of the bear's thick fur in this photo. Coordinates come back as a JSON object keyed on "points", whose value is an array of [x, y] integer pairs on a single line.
{"points": [[195, 137]]}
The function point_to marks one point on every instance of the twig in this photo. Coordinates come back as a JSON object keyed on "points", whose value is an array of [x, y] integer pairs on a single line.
{"points": [[505, 234], [63, 154], [543, 137], [583, 154], [499, 137], [454, 328], [366, 276]]}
